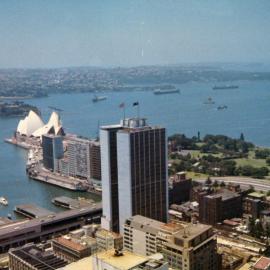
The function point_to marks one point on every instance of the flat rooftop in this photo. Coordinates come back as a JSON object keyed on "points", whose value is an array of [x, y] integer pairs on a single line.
{"points": [[33, 224], [41, 260], [256, 195], [192, 230], [225, 195], [115, 126], [125, 262], [71, 203], [32, 211], [263, 263], [145, 224], [85, 263], [76, 244]]}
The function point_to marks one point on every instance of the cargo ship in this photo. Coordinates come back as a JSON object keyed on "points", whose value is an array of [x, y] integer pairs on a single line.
{"points": [[164, 92], [224, 87]]}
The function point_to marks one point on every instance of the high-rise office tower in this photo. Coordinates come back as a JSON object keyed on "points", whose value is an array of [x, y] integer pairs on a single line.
{"points": [[109, 177], [52, 148], [134, 172]]}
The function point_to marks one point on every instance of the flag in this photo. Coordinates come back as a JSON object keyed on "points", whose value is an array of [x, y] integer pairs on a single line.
{"points": [[122, 105], [136, 103]]}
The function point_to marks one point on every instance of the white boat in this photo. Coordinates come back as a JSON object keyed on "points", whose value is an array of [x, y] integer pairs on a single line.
{"points": [[99, 98], [3, 201]]}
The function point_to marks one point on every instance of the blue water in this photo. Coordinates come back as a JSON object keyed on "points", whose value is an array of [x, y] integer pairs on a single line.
{"points": [[248, 112]]}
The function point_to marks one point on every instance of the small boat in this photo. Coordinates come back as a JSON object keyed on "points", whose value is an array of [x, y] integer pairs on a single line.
{"points": [[55, 109], [209, 101], [164, 92], [98, 98], [3, 201], [224, 87], [222, 107]]}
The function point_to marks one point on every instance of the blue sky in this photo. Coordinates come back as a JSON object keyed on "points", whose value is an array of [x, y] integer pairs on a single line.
{"points": [[57, 33]]}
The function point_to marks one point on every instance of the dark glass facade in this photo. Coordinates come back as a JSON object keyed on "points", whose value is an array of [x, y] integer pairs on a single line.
{"points": [[148, 173]]}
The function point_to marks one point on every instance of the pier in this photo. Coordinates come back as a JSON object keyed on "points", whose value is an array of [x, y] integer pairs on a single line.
{"points": [[36, 172], [32, 211], [36, 230], [70, 203]]}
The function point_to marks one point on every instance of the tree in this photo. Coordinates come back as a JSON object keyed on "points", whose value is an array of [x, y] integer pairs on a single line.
{"points": [[208, 181], [222, 184], [199, 136], [215, 184], [242, 137]]}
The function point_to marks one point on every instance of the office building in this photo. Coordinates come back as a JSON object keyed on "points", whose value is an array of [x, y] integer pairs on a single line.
{"points": [[82, 159], [109, 260], [109, 177], [78, 152], [31, 257], [185, 246], [179, 188], [95, 160], [126, 261], [106, 239], [52, 149], [134, 172], [215, 208], [71, 248]]}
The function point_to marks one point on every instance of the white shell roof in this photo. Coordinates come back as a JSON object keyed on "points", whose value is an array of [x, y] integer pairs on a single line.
{"points": [[54, 123], [29, 124]]}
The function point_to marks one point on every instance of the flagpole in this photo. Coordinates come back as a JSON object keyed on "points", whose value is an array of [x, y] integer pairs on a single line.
{"points": [[124, 112]]}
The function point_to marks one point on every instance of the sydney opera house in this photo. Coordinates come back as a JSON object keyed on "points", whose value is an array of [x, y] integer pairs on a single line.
{"points": [[31, 128]]}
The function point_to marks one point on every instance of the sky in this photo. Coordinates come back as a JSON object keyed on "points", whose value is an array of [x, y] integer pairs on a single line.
{"points": [[62, 33]]}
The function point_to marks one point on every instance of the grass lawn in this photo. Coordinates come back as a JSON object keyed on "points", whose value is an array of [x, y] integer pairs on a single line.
{"points": [[251, 161], [194, 175], [196, 153]]}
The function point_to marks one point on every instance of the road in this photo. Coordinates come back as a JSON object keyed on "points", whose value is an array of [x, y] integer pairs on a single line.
{"points": [[258, 184]]}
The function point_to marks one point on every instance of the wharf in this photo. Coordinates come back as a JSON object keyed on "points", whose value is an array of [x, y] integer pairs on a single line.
{"points": [[5, 221], [40, 174], [32, 211], [70, 203], [19, 144]]}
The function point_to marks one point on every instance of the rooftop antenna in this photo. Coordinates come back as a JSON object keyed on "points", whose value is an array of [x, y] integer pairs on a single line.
{"points": [[123, 107]]}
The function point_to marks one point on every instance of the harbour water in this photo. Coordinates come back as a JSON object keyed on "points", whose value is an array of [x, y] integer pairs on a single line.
{"points": [[248, 112]]}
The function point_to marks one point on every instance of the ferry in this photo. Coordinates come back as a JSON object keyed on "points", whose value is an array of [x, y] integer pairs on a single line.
{"points": [[209, 101], [164, 92], [3, 201], [100, 98], [224, 87]]}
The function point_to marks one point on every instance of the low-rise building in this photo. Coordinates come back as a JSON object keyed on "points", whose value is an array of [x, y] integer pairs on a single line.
{"points": [[126, 261], [184, 246], [263, 263], [179, 188], [106, 239], [214, 208], [31, 257], [72, 249]]}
